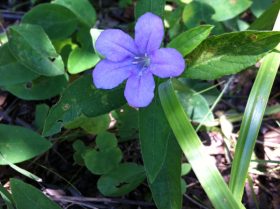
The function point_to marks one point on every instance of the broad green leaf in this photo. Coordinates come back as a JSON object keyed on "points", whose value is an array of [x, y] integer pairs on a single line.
{"points": [[154, 134], [267, 19], [27, 196], [166, 188], [105, 157], [31, 45], [19, 144], [229, 53], [196, 13], [259, 6], [7, 197], [143, 6], [92, 125], [253, 117], [11, 70], [121, 180], [81, 59], [57, 21], [40, 88], [81, 97], [205, 170], [227, 9], [82, 9], [189, 40]]}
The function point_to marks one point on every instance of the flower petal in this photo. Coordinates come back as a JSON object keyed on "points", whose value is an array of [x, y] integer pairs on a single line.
{"points": [[115, 45], [108, 74], [149, 33], [139, 90], [167, 62]]}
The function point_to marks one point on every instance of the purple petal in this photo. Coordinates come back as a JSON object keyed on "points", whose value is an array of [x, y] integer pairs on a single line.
{"points": [[139, 90], [149, 33], [108, 74], [115, 45], [167, 62]]}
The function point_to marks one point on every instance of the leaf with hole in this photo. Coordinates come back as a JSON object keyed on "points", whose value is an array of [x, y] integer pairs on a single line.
{"points": [[91, 102], [121, 180], [40, 88], [31, 45]]}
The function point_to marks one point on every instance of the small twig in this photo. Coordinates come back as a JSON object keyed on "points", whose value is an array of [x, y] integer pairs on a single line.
{"points": [[195, 202], [18, 121], [11, 15], [102, 200]]}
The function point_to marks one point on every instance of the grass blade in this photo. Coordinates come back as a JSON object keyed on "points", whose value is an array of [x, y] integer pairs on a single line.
{"points": [[253, 118], [207, 173]]}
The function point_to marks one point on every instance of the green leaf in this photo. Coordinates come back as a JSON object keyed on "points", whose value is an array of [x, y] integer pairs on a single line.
{"points": [[105, 157], [253, 117], [189, 40], [31, 45], [166, 188], [92, 125], [154, 134], [143, 6], [82, 9], [11, 69], [27, 196], [7, 197], [259, 6], [267, 19], [106, 140], [229, 53], [57, 21], [197, 12], [206, 171], [227, 9], [81, 97], [81, 59], [40, 88], [121, 180], [19, 144]]}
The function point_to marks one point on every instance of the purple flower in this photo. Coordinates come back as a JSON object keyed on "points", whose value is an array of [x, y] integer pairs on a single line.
{"points": [[136, 60]]}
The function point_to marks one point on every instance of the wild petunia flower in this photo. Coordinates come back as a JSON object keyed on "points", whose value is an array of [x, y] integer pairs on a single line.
{"points": [[136, 60]]}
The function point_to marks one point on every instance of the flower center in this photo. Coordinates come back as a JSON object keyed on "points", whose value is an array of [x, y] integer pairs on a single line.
{"points": [[142, 61]]}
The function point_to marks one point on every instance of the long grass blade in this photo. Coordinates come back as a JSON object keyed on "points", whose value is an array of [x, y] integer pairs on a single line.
{"points": [[252, 119], [205, 170]]}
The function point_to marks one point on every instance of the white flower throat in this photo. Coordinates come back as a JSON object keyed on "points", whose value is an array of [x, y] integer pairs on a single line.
{"points": [[142, 61]]}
